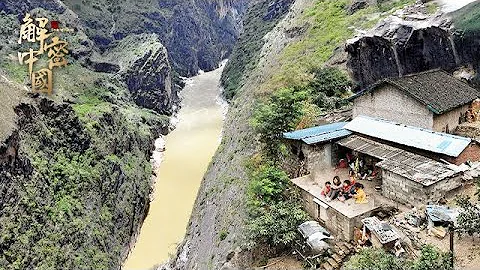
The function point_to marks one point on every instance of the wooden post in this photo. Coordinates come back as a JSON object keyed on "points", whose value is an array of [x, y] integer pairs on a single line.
{"points": [[452, 231]]}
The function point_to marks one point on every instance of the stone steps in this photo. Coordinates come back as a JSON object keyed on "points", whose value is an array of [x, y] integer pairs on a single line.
{"points": [[341, 251]]}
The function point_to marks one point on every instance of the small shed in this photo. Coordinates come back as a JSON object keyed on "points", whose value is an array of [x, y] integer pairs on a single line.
{"points": [[314, 145], [382, 234], [407, 177]]}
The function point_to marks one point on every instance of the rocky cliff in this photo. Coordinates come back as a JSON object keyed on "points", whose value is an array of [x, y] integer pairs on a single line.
{"points": [[220, 207], [197, 34], [411, 41], [75, 169], [144, 66]]}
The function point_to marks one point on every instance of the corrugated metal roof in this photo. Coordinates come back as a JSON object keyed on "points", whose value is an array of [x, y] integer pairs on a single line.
{"points": [[415, 167], [319, 134], [384, 232], [436, 142]]}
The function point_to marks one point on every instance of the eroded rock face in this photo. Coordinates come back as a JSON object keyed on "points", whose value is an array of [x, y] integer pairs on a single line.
{"points": [[197, 34], [145, 68], [409, 42]]}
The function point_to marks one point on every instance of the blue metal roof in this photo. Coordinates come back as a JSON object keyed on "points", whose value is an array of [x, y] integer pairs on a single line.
{"points": [[420, 138], [319, 134]]}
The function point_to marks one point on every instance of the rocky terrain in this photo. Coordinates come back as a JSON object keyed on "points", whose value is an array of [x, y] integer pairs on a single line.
{"points": [[75, 169], [197, 34], [411, 41], [424, 39], [221, 201]]}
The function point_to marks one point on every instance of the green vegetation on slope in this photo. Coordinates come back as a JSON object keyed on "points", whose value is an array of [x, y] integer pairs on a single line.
{"points": [[280, 114], [469, 218], [246, 52], [89, 186], [378, 259], [330, 27], [297, 93], [468, 18], [274, 210], [82, 182]]}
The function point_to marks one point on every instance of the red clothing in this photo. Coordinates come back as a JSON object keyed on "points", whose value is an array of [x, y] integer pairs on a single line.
{"points": [[326, 190], [347, 189]]}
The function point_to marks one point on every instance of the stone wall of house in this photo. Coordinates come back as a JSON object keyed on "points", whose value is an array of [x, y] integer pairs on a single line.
{"points": [[309, 205], [336, 223], [390, 103], [317, 159], [442, 188], [408, 192], [449, 121]]}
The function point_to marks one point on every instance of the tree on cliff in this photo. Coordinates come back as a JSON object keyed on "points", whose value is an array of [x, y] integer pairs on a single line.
{"points": [[281, 113]]}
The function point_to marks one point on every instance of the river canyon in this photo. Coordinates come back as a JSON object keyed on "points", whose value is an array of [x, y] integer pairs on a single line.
{"points": [[189, 150]]}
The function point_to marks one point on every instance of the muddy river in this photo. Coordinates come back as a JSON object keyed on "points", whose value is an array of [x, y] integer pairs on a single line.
{"points": [[189, 150]]}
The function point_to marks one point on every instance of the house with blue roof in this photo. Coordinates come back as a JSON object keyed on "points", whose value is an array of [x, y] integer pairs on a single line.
{"points": [[415, 165], [315, 146]]}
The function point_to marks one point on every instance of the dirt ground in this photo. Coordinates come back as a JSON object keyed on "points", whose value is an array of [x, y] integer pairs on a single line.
{"points": [[283, 263], [466, 248]]}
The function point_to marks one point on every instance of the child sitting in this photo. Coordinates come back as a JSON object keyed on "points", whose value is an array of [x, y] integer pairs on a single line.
{"points": [[360, 196], [326, 189], [347, 190], [335, 189]]}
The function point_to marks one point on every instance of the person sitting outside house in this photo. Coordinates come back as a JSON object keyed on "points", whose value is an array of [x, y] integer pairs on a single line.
{"points": [[360, 196], [335, 189], [326, 189], [352, 177], [347, 190]]}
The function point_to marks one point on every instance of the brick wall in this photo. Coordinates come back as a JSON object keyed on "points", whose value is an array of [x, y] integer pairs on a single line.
{"points": [[408, 192], [390, 103], [472, 153]]}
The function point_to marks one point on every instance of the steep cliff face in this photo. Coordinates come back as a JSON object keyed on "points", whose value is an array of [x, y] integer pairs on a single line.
{"points": [[215, 237], [75, 167], [144, 66], [71, 198], [262, 17], [409, 42], [197, 34]]}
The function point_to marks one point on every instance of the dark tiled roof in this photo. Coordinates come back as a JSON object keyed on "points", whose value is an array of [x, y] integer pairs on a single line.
{"points": [[438, 90]]}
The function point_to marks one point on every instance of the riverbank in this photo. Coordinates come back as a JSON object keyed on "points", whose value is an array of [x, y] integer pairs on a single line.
{"points": [[188, 151]]}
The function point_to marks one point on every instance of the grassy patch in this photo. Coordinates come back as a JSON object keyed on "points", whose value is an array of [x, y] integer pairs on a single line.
{"points": [[17, 72], [468, 19], [330, 27]]}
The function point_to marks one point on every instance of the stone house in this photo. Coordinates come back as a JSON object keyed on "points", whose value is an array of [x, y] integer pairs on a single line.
{"points": [[415, 166], [433, 100], [314, 147], [438, 146], [340, 218]]}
